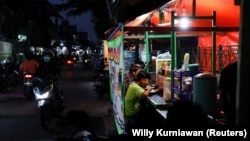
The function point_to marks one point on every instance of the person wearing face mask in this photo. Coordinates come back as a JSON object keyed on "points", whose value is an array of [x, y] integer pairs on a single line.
{"points": [[48, 65]]}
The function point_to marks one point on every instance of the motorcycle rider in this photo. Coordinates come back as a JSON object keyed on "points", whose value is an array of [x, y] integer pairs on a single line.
{"points": [[29, 65], [47, 74], [48, 64], [86, 60], [49, 67]]}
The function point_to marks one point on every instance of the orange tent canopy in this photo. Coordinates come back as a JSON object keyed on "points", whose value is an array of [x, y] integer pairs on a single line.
{"points": [[227, 15]]}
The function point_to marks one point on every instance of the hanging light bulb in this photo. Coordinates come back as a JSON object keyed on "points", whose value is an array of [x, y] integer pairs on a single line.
{"points": [[184, 20]]}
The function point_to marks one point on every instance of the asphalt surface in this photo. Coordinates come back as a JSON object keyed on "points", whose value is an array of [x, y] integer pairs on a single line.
{"points": [[100, 111], [78, 91]]}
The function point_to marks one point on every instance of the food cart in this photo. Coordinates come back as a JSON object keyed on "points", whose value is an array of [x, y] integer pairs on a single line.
{"points": [[169, 27]]}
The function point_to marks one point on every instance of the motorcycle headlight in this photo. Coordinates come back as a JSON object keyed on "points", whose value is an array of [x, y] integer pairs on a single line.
{"points": [[43, 93], [41, 103]]}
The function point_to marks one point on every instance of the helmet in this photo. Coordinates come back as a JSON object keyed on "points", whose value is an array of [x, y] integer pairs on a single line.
{"points": [[47, 55], [48, 52], [82, 135]]}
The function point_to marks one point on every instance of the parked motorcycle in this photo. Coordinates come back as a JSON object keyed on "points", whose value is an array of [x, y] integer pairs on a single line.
{"points": [[50, 101], [9, 76], [101, 83]]}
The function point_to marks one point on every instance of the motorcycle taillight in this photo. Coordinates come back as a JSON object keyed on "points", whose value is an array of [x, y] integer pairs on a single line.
{"points": [[27, 76], [69, 62]]}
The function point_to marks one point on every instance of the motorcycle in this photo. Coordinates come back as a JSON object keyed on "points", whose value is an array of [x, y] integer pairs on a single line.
{"points": [[9, 76], [70, 63], [50, 101], [101, 84], [86, 63], [28, 85]]}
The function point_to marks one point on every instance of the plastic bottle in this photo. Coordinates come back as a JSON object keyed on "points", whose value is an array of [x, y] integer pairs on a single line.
{"points": [[186, 61]]}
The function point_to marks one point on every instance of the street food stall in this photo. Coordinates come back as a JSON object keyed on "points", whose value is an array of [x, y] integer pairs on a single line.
{"points": [[202, 17], [208, 21]]}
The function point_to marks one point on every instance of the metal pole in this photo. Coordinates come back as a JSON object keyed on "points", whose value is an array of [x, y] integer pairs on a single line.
{"points": [[214, 44], [194, 8], [147, 51], [243, 89], [159, 36], [173, 44], [172, 56]]}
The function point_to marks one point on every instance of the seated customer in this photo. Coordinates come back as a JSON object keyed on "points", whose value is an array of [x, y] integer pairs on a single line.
{"points": [[134, 111], [131, 76]]}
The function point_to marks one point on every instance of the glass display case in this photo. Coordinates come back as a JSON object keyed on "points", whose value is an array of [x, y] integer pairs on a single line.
{"points": [[162, 66]]}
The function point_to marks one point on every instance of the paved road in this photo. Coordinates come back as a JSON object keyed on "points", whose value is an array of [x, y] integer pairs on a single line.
{"points": [[19, 119]]}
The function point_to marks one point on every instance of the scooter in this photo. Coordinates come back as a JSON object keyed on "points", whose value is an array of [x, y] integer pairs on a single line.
{"points": [[86, 63], [28, 85], [70, 63], [50, 101]]}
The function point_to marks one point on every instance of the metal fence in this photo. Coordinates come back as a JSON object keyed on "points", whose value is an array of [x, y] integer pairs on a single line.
{"points": [[224, 55]]}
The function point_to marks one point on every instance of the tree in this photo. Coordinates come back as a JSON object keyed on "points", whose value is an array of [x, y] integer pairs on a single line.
{"points": [[32, 18], [27, 17], [6, 18], [98, 9]]}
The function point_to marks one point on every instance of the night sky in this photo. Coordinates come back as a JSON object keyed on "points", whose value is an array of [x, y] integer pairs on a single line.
{"points": [[82, 22]]}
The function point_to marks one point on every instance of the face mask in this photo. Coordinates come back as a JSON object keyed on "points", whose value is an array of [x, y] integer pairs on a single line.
{"points": [[46, 59]]}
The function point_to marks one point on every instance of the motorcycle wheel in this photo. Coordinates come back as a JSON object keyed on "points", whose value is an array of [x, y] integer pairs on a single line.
{"points": [[29, 93], [45, 117]]}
